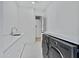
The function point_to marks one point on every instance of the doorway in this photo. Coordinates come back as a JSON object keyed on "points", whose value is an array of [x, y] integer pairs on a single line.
{"points": [[38, 28]]}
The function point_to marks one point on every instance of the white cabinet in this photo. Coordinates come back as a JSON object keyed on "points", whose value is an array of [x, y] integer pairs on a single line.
{"points": [[13, 47], [15, 50]]}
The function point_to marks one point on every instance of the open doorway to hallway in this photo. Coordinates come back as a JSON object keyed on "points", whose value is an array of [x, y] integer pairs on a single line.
{"points": [[40, 27]]}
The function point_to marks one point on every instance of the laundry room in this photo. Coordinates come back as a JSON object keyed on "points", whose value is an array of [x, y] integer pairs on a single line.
{"points": [[39, 29]]}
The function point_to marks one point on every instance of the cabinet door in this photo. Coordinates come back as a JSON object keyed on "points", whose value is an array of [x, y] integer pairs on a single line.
{"points": [[15, 50]]}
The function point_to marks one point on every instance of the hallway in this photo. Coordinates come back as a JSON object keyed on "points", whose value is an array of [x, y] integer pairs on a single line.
{"points": [[36, 29]]}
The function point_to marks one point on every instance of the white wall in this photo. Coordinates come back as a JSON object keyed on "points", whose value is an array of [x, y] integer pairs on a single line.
{"points": [[9, 16], [26, 23], [63, 19], [1, 17], [20, 17]]}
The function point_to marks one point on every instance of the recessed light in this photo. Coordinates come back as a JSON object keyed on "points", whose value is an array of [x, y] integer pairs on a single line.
{"points": [[33, 2]]}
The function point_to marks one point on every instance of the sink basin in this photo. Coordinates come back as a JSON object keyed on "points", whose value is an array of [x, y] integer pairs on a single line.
{"points": [[16, 34]]}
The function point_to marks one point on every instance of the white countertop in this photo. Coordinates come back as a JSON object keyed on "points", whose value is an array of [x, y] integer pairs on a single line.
{"points": [[7, 41], [72, 40]]}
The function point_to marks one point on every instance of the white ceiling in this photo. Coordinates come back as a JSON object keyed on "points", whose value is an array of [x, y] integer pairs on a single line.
{"points": [[39, 5]]}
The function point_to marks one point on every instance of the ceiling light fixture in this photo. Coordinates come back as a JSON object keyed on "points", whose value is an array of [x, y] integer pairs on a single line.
{"points": [[33, 2]]}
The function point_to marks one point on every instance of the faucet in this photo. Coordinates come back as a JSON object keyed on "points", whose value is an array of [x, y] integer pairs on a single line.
{"points": [[13, 30]]}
